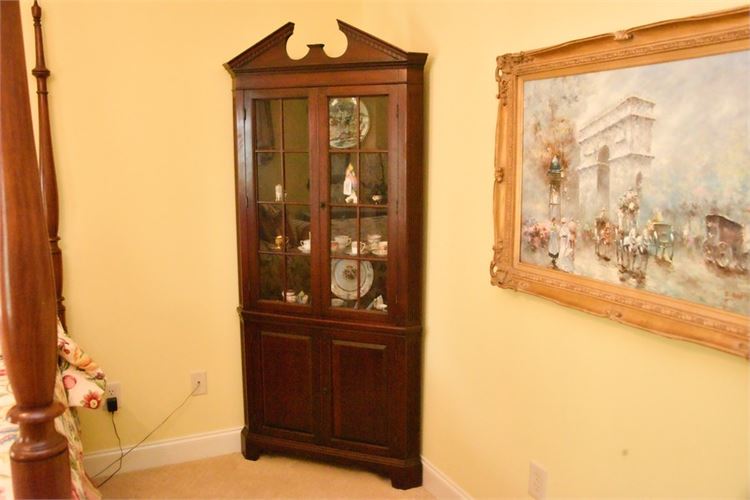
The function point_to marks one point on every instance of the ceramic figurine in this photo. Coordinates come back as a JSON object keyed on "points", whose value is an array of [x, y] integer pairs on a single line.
{"points": [[351, 184], [378, 303]]}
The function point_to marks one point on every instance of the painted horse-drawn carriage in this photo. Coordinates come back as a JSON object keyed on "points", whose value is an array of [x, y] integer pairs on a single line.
{"points": [[632, 254], [724, 244], [632, 246], [662, 241]]}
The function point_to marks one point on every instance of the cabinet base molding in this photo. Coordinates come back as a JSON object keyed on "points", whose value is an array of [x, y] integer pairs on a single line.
{"points": [[404, 474]]}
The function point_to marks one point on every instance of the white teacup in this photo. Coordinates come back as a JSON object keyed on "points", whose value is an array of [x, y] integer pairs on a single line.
{"points": [[358, 247], [342, 241], [305, 245], [373, 240]]}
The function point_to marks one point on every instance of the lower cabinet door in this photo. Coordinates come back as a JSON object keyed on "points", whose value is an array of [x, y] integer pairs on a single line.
{"points": [[286, 384], [337, 389], [365, 382]]}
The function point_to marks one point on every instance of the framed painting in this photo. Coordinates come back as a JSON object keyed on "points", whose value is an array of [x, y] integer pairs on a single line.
{"points": [[622, 177]]}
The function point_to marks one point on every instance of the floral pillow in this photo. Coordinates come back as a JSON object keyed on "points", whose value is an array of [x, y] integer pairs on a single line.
{"points": [[82, 378]]}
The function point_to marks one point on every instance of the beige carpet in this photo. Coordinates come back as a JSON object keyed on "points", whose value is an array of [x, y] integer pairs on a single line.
{"points": [[272, 476]]}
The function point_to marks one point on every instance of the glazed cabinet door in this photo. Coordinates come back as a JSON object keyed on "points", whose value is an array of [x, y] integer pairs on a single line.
{"points": [[285, 383], [280, 187], [359, 155], [362, 392]]}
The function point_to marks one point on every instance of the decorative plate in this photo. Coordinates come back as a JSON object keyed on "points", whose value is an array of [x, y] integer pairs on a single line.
{"points": [[342, 122], [344, 278]]}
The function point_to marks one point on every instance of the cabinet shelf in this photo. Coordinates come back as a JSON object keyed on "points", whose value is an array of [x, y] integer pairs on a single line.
{"points": [[358, 205], [297, 151]]}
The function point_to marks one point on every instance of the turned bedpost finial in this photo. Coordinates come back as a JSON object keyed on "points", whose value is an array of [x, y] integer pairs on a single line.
{"points": [[47, 160], [40, 70], [36, 12]]}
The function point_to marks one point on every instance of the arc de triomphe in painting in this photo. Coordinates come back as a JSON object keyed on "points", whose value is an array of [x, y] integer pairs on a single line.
{"points": [[615, 155]]}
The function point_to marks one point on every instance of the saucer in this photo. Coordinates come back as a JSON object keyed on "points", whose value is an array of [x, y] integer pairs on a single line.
{"points": [[303, 249], [380, 253]]}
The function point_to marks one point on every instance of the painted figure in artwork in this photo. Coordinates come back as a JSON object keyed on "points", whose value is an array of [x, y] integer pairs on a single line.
{"points": [[553, 245], [573, 228], [565, 257]]}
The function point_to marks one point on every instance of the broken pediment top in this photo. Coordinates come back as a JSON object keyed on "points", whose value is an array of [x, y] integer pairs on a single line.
{"points": [[362, 48]]}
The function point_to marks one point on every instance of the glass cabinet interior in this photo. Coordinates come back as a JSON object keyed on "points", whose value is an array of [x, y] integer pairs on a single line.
{"points": [[352, 152]]}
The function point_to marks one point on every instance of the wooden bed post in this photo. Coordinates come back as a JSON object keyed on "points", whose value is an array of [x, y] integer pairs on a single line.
{"points": [[39, 457], [47, 162]]}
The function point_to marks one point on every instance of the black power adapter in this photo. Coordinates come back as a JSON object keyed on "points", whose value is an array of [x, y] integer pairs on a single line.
{"points": [[112, 404]]}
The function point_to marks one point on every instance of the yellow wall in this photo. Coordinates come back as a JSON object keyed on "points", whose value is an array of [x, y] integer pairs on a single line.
{"points": [[143, 133]]}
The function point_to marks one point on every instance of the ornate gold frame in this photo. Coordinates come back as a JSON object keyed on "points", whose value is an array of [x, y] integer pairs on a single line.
{"points": [[709, 34]]}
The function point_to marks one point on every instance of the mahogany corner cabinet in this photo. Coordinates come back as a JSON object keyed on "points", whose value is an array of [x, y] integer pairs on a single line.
{"points": [[329, 180]]}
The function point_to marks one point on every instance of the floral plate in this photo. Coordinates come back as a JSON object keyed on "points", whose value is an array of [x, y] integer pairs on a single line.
{"points": [[342, 122], [344, 278]]}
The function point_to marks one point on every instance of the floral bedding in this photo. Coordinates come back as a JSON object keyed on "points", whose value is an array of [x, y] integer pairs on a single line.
{"points": [[79, 383]]}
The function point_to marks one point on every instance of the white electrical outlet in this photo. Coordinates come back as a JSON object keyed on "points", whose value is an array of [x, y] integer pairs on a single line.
{"points": [[199, 380], [537, 481], [114, 390]]}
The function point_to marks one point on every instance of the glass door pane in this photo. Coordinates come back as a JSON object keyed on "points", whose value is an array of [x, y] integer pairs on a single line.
{"points": [[297, 177], [358, 146], [281, 156], [374, 170], [374, 115], [268, 173]]}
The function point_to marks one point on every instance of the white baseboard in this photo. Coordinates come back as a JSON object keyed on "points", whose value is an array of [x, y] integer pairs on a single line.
{"points": [[168, 451], [212, 444], [440, 485]]}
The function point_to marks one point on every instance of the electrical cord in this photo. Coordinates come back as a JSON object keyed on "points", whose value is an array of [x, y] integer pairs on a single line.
{"points": [[123, 455], [119, 460]]}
